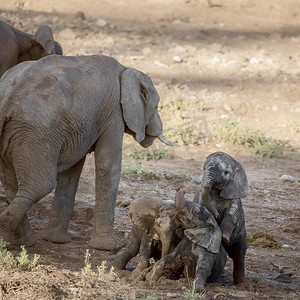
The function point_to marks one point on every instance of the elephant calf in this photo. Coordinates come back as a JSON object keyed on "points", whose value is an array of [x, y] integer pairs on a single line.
{"points": [[17, 46], [152, 231], [200, 251], [224, 183]]}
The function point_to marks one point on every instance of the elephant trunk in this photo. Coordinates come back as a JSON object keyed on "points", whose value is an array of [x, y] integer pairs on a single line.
{"points": [[207, 183], [165, 245]]}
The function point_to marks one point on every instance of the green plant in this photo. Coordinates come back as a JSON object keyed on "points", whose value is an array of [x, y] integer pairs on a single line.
{"points": [[103, 274], [177, 102], [181, 131], [148, 154], [7, 261], [87, 269], [24, 262], [231, 130]]}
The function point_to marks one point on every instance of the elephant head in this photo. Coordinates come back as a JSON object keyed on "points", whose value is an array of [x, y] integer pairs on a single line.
{"points": [[156, 218], [139, 100], [224, 174], [200, 226], [17, 46]]}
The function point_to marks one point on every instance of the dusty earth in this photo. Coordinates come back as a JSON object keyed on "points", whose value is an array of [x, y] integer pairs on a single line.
{"points": [[237, 59]]}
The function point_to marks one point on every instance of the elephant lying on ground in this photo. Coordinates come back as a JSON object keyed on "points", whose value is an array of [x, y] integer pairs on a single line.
{"points": [[53, 112], [224, 183], [152, 232], [200, 251], [17, 46]]}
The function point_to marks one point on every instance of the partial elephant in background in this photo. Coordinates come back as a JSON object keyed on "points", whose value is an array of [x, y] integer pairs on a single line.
{"points": [[55, 110], [224, 183], [152, 231], [200, 251], [17, 46]]}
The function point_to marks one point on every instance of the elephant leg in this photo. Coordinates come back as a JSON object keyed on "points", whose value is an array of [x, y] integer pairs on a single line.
{"points": [[145, 253], [131, 249], [108, 159], [205, 262], [36, 178], [239, 253], [23, 234], [171, 262], [62, 207]]}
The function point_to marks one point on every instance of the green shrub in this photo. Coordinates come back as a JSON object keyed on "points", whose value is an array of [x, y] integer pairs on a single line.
{"points": [[7, 260], [230, 130], [148, 154], [22, 261], [181, 131], [177, 102]]}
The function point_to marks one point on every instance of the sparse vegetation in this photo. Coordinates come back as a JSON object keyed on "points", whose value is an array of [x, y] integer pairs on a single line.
{"points": [[180, 130], [148, 154], [231, 130], [103, 272], [22, 261], [177, 102]]}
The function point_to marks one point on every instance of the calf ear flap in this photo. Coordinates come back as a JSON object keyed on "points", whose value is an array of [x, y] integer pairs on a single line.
{"points": [[208, 237], [44, 37], [238, 185]]}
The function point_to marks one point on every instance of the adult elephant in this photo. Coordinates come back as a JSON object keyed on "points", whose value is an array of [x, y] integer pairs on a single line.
{"points": [[17, 46], [53, 112]]}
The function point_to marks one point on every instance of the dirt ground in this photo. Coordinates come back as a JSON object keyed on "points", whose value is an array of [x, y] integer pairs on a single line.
{"points": [[239, 58]]}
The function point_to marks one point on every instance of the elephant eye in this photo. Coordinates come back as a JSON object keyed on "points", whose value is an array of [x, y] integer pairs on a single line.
{"points": [[226, 172], [144, 93]]}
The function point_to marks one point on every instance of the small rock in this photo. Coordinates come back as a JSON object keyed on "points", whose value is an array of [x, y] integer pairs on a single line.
{"points": [[109, 41], [146, 51], [275, 107], [51, 10], [227, 107], [80, 15], [286, 278], [287, 178], [67, 34], [297, 109], [55, 20], [101, 22], [40, 20], [254, 60], [177, 59]]}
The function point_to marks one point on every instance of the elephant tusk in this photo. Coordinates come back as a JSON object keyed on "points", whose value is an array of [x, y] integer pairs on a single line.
{"points": [[165, 141]]}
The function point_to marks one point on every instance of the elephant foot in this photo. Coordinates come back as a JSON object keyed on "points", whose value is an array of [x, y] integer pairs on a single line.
{"points": [[107, 242], [28, 240], [23, 235], [55, 236], [199, 285], [239, 278]]}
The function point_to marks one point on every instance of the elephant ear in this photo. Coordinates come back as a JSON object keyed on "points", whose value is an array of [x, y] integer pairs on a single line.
{"points": [[139, 101], [238, 185], [44, 37], [208, 237]]}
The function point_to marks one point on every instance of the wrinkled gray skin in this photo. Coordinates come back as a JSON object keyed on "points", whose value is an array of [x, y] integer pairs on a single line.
{"points": [[17, 46], [224, 183], [53, 112], [153, 221], [200, 250]]}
